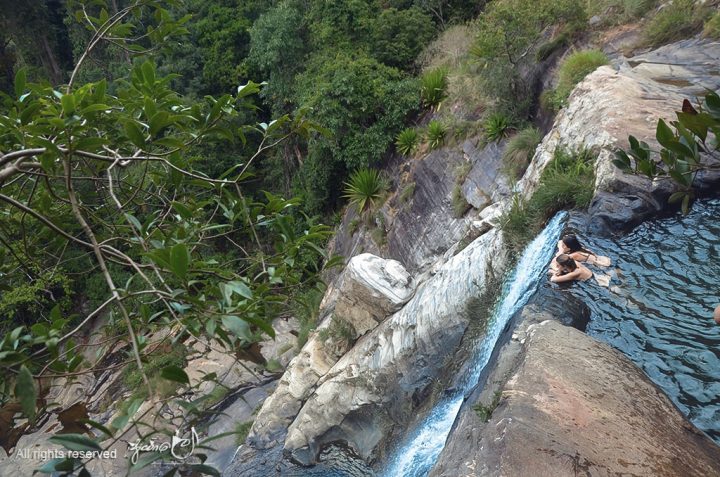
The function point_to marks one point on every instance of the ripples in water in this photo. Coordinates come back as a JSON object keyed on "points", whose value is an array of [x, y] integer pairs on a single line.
{"points": [[658, 308]]}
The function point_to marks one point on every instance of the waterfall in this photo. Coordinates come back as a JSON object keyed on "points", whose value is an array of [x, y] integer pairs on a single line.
{"points": [[417, 454]]}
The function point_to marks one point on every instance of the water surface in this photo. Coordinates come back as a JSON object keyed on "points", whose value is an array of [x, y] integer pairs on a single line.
{"points": [[658, 308]]}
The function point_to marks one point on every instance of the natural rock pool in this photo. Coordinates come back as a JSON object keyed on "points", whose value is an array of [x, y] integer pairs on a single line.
{"points": [[658, 307]]}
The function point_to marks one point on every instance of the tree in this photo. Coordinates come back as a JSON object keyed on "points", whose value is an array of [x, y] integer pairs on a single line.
{"points": [[689, 148], [99, 173]]}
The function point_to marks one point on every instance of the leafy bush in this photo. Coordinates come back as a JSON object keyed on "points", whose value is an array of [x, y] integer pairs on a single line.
{"points": [[433, 86], [396, 37], [407, 141], [519, 151], [435, 134], [675, 21], [712, 27], [365, 189], [497, 126], [575, 68], [567, 182]]}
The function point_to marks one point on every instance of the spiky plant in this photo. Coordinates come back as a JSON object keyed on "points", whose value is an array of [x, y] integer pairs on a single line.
{"points": [[435, 134], [433, 86], [365, 188], [497, 126], [407, 141]]}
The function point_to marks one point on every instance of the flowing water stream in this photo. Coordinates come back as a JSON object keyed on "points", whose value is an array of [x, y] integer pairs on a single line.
{"points": [[416, 455], [658, 308]]}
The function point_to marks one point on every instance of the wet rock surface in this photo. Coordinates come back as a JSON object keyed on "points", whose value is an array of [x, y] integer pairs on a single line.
{"points": [[574, 405]]}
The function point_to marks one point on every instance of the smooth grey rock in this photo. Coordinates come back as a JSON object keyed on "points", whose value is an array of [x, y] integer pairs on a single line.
{"points": [[371, 289]]}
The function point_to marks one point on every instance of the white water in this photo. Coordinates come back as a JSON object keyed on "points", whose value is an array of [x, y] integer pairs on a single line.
{"points": [[416, 456]]}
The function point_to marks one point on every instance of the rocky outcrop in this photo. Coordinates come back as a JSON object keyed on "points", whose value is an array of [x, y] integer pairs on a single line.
{"points": [[574, 405], [372, 288], [607, 107]]}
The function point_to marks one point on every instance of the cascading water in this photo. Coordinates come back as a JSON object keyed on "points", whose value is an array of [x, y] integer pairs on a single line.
{"points": [[418, 453]]}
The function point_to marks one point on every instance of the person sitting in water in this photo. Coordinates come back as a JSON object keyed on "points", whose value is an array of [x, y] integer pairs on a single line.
{"points": [[569, 270], [571, 246], [716, 315]]}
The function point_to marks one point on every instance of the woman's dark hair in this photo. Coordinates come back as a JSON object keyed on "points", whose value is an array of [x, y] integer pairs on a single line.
{"points": [[572, 242], [566, 261]]}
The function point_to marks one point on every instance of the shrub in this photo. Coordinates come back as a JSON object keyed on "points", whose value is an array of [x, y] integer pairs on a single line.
{"points": [[433, 86], [462, 171], [407, 193], [519, 151], [459, 204], [435, 134], [575, 68], [485, 412], [497, 126], [567, 182], [407, 141], [712, 27], [619, 11], [365, 189], [675, 21]]}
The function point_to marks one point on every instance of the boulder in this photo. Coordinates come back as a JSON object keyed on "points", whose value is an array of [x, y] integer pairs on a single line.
{"points": [[376, 389], [372, 288], [575, 405]]}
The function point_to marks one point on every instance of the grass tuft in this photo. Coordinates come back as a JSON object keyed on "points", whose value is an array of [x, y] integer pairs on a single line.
{"points": [[568, 182], [435, 134], [677, 20], [497, 126], [575, 68], [407, 141], [519, 151], [433, 86]]}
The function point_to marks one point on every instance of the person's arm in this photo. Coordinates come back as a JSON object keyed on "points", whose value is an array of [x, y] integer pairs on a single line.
{"points": [[568, 277]]}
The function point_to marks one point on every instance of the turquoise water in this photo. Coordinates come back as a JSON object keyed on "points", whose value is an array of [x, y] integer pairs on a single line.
{"points": [[658, 308]]}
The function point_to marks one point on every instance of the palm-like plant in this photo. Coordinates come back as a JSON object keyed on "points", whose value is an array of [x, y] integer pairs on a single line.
{"points": [[497, 126], [365, 188], [407, 141], [435, 134], [433, 86]]}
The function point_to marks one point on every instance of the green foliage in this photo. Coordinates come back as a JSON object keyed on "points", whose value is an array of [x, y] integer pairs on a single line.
{"points": [[365, 189], [575, 68], [407, 141], [485, 412], [27, 301], [396, 37], [459, 203], [712, 27], [433, 86], [497, 126], [435, 134], [519, 151], [153, 367], [306, 306], [462, 171], [338, 331], [687, 148], [363, 104], [508, 29], [242, 430], [407, 193], [101, 177], [567, 182], [619, 11], [675, 21]]}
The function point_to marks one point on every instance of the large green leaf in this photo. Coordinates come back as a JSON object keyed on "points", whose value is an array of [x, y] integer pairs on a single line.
{"points": [[25, 392], [174, 373], [179, 260], [237, 326], [76, 442]]}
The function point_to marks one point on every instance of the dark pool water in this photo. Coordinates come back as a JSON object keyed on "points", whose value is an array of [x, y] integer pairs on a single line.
{"points": [[658, 307]]}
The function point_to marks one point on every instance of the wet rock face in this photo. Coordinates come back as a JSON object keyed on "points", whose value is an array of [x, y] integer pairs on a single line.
{"points": [[575, 405], [372, 288]]}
